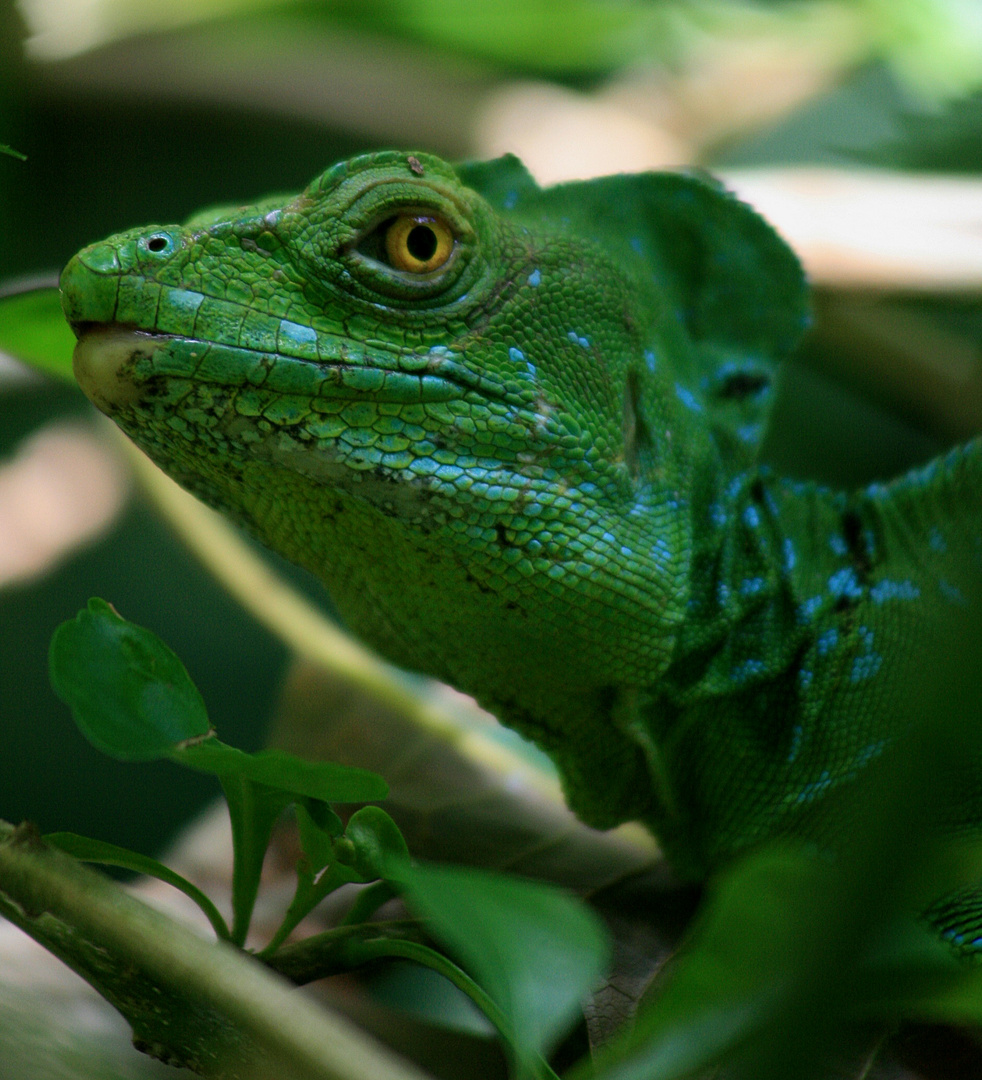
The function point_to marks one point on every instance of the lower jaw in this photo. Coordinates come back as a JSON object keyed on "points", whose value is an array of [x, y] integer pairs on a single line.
{"points": [[103, 359]]}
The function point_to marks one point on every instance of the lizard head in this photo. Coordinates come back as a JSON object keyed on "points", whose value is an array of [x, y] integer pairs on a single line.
{"points": [[398, 343], [386, 325], [473, 407]]}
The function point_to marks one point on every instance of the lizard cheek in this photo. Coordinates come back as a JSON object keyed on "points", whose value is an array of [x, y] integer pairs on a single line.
{"points": [[103, 364]]}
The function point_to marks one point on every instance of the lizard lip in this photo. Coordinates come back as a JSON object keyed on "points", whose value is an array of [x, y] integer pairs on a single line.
{"points": [[102, 359], [113, 363]]}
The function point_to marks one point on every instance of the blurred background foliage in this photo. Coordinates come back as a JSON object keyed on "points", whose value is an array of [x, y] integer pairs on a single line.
{"points": [[139, 111], [135, 111]]}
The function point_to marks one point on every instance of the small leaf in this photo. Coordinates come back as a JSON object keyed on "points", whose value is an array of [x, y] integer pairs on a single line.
{"points": [[323, 817], [727, 984], [278, 769], [318, 853], [536, 950], [98, 851], [253, 810], [130, 695], [377, 846], [314, 840]]}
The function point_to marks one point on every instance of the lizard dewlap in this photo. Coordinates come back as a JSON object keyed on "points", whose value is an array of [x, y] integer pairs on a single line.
{"points": [[515, 432]]}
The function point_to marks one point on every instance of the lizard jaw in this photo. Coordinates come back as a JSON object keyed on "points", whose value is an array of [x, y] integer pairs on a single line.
{"points": [[103, 359]]}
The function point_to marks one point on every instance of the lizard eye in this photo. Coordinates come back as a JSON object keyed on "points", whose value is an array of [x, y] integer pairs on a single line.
{"points": [[418, 243]]}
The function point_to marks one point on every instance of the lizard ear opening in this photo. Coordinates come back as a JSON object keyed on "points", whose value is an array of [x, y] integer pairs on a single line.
{"points": [[638, 444]]}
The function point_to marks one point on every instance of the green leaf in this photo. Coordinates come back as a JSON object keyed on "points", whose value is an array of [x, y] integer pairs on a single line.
{"points": [[253, 810], [536, 950], [597, 35], [318, 853], [130, 695], [377, 848], [278, 769], [33, 329], [727, 985], [98, 851], [5, 149], [318, 826], [258, 788]]}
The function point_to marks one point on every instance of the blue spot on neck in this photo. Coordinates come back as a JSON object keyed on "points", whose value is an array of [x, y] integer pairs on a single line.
{"points": [[534, 278], [749, 433], [808, 609], [747, 670], [516, 356], [845, 583], [687, 398], [865, 667], [951, 593], [894, 590]]}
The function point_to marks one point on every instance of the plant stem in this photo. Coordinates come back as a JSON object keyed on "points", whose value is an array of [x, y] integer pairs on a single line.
{"points": [[377, 948], [193, 1002], [329, 953], [369, 900]]}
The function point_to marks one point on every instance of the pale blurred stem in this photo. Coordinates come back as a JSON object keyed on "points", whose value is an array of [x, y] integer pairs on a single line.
{"points": [[200, 1004]]}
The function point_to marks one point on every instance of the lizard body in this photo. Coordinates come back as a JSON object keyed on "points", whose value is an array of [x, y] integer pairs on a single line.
{"points": [[515, 432]]}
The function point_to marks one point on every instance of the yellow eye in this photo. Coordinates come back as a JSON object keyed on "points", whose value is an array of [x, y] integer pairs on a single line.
{"points": [[418, 243]]}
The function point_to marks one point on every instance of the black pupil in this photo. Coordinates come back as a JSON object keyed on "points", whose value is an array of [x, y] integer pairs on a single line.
{"points": [[421, 243], [157, 243]]}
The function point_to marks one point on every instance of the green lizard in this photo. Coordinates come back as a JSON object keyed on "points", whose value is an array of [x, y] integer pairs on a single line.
{"points": [[515, 432]]}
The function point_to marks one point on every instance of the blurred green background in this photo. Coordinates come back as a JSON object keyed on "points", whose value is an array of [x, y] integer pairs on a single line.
{"points": [[135, 112]]}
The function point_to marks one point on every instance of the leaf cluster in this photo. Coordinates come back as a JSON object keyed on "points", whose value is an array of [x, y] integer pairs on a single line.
{"points": [[797, 959], [527, 952]]}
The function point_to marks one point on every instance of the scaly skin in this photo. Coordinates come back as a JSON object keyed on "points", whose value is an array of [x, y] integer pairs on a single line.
{"points": [[530, 471]]}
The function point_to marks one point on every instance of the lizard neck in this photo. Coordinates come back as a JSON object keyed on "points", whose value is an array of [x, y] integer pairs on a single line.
{"points": [[779, 563], [774, 561], [806, 611], [548, 644]]}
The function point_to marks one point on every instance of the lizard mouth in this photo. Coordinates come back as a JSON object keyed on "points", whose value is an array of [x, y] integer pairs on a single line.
{"points": [[115, 365], [103, 361]]}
